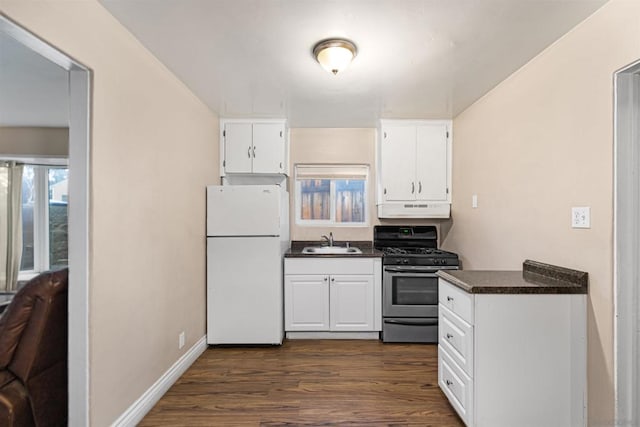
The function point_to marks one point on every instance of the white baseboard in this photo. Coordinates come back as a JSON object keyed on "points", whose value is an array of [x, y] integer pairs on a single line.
{"points": [[136, 412], [333, 335]]}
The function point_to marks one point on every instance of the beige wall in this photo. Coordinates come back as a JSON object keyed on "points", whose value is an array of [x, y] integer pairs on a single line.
{"points": [[34, 141], [335, 146], [538, 144], [154, 148]]}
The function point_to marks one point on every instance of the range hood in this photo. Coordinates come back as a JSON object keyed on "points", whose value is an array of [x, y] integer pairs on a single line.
{"points": [[414, 210]]}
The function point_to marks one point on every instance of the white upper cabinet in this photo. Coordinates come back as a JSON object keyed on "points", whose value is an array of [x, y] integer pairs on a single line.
{"points": [[238, 140], [399, 163], [414, 160], [432, 162], [253, 147]]}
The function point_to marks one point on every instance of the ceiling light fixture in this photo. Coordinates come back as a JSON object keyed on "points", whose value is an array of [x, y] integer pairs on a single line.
{"points": [[335, 54]]}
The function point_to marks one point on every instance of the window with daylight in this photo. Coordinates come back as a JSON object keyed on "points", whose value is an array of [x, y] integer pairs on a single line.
{"points": [[331, 195], [44, 220]]}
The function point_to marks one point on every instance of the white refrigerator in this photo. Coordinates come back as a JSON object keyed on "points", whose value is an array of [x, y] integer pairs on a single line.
{"points": [[247, 235]]}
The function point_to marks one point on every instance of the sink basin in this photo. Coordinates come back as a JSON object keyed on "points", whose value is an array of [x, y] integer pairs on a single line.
{"points": [[330, 250]]}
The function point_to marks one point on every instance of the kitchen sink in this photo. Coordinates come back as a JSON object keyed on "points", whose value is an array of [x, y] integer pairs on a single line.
{"points": [[331, 250]]}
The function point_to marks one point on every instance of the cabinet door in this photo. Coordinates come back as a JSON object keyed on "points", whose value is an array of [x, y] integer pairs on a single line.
{"points": [[237, 147], [432, 162], [352, 303], [398, 161], [306, 302], [268, 148]]}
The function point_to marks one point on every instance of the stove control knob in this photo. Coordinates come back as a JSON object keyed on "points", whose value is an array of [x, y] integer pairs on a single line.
{"points": [[405, 261]]}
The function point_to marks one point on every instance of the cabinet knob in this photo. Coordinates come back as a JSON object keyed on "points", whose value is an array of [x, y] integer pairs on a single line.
{"points": [[254, 151], [325, 279], [280, 165], [449, 298], [449, 336], [333, 279], [413, 187], [249, 152], [419, 186], [448, 382]]}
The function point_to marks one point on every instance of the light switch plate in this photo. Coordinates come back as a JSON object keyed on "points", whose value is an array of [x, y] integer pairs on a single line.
{"points": [[581, 217], [474, 201]]}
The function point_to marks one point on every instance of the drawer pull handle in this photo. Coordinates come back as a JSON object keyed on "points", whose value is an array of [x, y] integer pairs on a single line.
{"points": [[448, 382], [449, 336], [449, 298]]}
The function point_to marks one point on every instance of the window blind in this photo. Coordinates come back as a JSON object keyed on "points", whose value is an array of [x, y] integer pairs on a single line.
{"points": [[333, 171]]}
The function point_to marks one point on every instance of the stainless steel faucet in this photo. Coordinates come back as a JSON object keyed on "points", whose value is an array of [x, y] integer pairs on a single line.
{"points": [[329, 239]]}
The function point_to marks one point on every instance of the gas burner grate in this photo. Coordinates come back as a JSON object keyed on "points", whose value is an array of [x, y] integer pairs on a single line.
{"points": [[411, 251], [394, 251]]}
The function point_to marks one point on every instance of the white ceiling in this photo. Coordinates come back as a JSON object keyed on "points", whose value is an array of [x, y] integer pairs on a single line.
{"points": [[417, 58], [33, 90], [252, 58]]}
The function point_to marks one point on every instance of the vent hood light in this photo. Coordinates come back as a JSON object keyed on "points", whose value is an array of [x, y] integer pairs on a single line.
{"points": [[335, 54]]}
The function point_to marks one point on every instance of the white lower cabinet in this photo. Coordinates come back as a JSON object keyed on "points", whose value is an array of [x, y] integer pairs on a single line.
{"points": [[332, 294], [351, 302], [513, 359], [306, 302]]}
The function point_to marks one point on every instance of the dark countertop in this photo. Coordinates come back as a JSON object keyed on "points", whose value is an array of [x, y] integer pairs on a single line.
{"points": [[535, 278], [295, 251]]}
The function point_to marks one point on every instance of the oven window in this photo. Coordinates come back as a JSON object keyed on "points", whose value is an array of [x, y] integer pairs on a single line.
{"points": [[415, 291]]}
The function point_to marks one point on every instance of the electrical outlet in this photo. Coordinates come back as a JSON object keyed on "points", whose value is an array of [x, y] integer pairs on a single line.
{"points": [[474, 201], [581, 217], [181, 340]]}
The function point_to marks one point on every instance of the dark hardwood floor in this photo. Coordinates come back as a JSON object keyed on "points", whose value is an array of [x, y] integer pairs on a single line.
{"points": [[309, 383]]}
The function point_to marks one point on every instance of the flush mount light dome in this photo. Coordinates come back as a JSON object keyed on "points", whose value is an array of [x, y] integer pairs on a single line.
{"points": [[335, 54]]}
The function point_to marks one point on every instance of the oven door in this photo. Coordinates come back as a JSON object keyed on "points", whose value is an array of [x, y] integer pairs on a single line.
{"points": [[409, 292]]}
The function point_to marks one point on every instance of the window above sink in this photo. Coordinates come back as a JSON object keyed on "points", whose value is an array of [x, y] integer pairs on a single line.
{"points": [[334, 195]]}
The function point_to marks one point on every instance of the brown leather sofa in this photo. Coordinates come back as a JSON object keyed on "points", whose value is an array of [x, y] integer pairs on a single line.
{"points": [[33, 354]]}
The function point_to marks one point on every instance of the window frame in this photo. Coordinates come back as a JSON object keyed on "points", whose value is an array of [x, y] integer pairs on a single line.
{"points": [[335, 172], [41, 236]]}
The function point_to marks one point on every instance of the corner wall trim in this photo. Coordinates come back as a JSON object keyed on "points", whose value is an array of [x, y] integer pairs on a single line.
{"points": [[136, 412]]}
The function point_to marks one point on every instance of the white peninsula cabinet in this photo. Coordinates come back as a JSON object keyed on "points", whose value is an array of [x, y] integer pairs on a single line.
{"points": [[507, 358], [414, 160], [332, 295], [253, 147]]}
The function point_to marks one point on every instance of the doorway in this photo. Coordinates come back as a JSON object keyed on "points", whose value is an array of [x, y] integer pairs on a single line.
{"points": [[78, 214], [627, 244]]}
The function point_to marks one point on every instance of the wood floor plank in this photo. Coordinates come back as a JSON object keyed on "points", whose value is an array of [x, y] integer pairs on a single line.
{"points": [[309, 383]]}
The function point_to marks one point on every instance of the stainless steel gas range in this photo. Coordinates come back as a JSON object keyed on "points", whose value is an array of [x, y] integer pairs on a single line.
{"points": [[409, 282]]}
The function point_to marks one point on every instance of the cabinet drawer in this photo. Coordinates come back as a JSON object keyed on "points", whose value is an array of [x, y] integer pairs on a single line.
{"points": [[456, 385], [456, 300], [319, 265], [456, 336]]}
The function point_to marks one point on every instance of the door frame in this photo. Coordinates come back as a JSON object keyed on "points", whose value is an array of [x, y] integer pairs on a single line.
{"points": [[79, 221], [627, 243]]}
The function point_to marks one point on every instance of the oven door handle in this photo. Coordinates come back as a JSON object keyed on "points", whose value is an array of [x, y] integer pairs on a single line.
{"points": [[422, 322], [423, 273]]}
